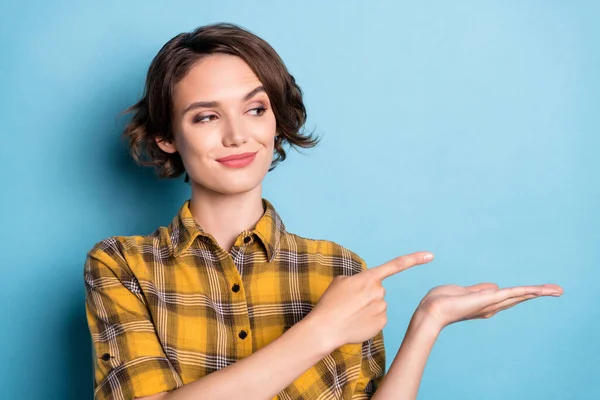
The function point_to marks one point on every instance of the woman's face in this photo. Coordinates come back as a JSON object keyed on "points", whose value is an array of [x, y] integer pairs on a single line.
{"points": [[219, 110]]}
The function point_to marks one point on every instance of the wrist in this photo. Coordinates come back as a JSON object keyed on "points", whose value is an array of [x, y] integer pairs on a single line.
{"points": [[423, 321], [321, 335]]}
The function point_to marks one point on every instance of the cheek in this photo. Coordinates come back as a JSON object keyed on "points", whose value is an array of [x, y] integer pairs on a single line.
{"points": [[195, 148], [268, 132], [266, 138]]}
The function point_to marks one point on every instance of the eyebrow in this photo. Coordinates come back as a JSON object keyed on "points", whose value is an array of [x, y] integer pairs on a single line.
{"points": [[207, 104]]}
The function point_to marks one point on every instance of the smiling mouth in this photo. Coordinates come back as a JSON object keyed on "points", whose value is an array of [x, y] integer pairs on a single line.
{"points": [[241, 156], [238, 160]]}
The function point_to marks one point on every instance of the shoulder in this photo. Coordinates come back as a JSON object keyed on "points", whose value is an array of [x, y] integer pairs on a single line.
{"points": [[324, 251], [120, 254]]}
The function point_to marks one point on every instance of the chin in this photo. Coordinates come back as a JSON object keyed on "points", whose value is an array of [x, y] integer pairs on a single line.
{"points": [[232, 189], [235, 182], [228, 186]]}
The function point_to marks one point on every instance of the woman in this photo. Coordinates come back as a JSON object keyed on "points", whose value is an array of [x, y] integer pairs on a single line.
{"points": [[224, 302]]}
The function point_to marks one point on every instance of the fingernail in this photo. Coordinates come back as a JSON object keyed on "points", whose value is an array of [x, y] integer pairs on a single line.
{"points": [[428, 257]]}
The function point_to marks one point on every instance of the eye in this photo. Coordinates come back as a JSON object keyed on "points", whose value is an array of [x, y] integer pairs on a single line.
{"points": [[258, 111], [203, 118]]}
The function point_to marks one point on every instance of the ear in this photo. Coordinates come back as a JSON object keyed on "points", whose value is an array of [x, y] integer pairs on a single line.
{"points": [[168, 146]]}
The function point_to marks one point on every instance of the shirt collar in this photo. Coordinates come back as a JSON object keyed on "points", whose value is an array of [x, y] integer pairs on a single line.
{"points": [[184, 230]]}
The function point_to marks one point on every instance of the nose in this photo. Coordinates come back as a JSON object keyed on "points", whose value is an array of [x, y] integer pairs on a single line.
{"points": [[233, 133]]}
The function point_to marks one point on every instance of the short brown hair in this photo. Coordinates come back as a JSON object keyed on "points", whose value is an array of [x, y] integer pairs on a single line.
{"points": [[152, 114]]}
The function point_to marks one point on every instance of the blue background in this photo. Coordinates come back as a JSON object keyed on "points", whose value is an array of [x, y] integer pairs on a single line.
{"points": [[467, 128]]}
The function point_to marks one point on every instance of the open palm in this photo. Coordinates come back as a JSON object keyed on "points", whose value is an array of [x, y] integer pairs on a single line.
{"points": [[452, 303]]}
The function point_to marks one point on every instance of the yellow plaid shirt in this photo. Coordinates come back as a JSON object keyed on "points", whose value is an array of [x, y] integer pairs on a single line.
{"points": [[171, 307]]}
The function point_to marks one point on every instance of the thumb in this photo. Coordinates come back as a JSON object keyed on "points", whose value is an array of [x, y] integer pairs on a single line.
{"points": [[483, 286]]}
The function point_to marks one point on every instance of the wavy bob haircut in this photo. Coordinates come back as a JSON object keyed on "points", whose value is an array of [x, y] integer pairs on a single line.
{"points": [[152, 114]]}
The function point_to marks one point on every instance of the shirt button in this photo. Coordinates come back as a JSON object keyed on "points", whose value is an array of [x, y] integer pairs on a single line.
{"points": [[235, 288], [243, 335], [247, 239], [105, 357]]}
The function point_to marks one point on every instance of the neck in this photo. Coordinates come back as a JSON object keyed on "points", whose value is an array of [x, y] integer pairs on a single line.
{"points": [[225, 216]]}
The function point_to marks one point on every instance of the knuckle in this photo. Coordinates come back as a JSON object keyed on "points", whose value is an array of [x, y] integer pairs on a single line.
{"points": [[384, 306], [368, 278], [377, 294], [399, 262], [363, 281]]}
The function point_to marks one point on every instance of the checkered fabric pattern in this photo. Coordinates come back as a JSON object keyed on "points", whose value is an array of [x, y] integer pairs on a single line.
{"points": [[171, 307]]}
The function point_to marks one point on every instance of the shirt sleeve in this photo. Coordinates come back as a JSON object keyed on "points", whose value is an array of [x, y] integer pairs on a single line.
{"points": [[372, 368], [129, 360], [372, 363]]}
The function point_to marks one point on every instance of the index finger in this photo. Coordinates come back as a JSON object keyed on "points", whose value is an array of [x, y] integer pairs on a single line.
{"points": [[399, 264]]}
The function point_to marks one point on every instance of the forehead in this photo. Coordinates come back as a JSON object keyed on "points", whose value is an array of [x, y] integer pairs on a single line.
{"points": [[217, 77]]}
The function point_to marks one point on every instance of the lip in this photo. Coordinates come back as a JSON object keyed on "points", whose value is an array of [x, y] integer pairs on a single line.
{"points": [[240, 156], [237, 160]]}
